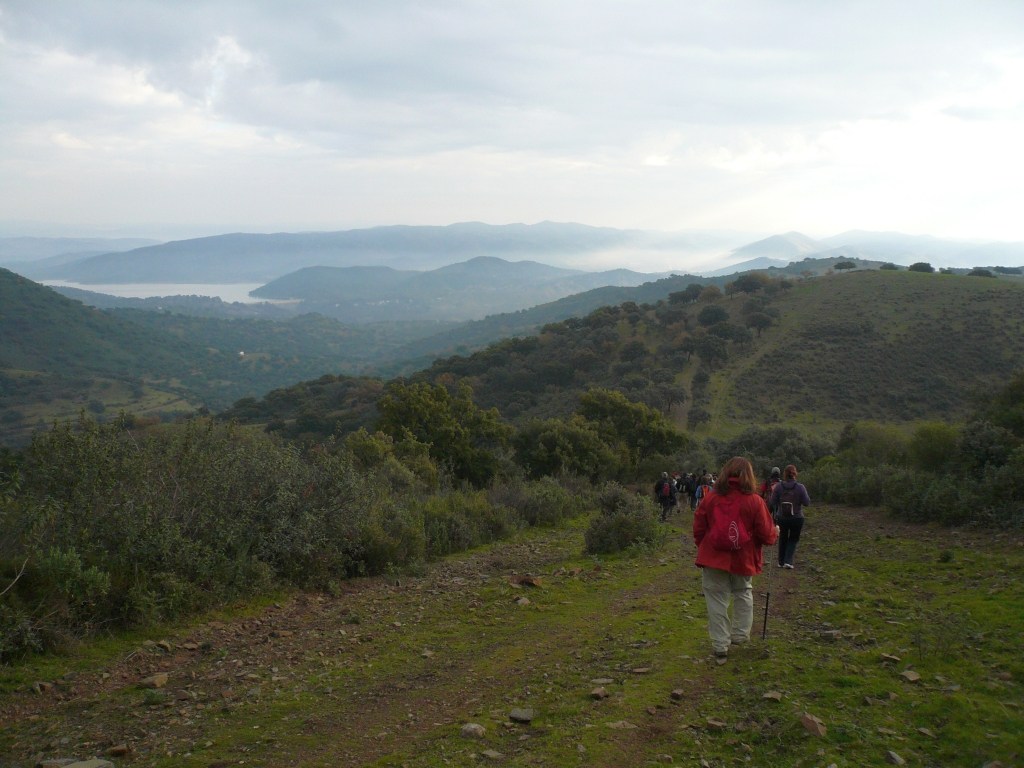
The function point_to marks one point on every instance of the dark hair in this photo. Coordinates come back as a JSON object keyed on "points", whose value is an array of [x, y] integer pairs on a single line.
{"points": [[790, 472], [739, 468]]}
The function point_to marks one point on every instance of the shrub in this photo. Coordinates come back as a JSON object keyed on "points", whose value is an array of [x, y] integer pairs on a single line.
{"points": [[543, 502], [625, 520], [461, 520], [834, 481]]}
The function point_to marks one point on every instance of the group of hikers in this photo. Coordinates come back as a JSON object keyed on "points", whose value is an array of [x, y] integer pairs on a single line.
{"points": [[693, 486], [734, 518]]}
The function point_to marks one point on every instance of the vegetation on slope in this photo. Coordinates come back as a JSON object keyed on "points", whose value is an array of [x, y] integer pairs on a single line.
{"points": [[58, 357]]}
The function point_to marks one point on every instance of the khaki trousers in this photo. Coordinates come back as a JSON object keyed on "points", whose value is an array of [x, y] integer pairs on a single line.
{"points": [[721, 588]]}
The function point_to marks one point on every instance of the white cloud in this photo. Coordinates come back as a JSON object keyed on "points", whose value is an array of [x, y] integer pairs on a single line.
{"points": [[746, 115]]}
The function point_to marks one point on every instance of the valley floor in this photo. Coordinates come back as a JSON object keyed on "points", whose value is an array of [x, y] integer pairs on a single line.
{"points": [[888, 643]]}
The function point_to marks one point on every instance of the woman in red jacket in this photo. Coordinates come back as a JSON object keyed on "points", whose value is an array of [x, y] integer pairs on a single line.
{"points": [[729, 527]]}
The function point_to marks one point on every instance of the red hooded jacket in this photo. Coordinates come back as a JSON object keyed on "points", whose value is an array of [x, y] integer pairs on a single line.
{"points": [[747, 560]]}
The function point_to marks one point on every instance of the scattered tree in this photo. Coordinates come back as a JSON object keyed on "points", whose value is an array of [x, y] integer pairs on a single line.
{"points": [[844, 265], [921, 266], [759, 321], [751, 282], [710, 293], [711, 314]]}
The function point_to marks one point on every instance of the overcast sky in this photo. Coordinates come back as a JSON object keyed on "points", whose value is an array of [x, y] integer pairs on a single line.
{"points": [[173, 118]]}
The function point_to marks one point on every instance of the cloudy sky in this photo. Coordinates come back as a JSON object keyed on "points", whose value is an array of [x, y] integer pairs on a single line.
{"points": [[173, 118]]}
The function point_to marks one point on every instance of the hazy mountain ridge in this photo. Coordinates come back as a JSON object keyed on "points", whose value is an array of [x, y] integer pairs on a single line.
{"points": [[463, 291], [44, 249], [244, 257], [250, 257]]}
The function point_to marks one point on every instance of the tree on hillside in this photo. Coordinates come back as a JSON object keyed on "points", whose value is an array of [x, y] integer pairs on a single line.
{"points": [[921, 266], [710, 293], [711, 350], [751, 282], [553, 447], [980, 272], [889, 266], [1008, 270], [460, 435], [711, 314], [759, 321], [844, 265], [638, 430], [1006, 408], [688, 296]]}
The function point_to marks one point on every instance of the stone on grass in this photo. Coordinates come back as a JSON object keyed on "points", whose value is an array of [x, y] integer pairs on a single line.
{"points": [[599, 693], [773, 695], [678, 694], [910, 676], [521, 715], [493, 754], [621, 725], [159, 680], [893, 759], [473, 731], [717, 725], [813, 724]]}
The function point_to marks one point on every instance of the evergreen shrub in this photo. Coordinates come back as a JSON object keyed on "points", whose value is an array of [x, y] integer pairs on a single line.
{"points": [[624, 520], [539, 503]]}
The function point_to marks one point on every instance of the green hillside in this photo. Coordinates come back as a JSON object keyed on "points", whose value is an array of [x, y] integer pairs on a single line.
{"points": [[58, 357], [889, 345], [896, 346]]}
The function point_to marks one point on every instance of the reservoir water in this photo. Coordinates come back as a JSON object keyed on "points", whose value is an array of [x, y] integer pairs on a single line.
{"points": [[229, 292]]}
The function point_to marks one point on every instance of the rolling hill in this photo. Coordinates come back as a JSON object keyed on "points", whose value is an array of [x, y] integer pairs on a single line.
{"points": [[888, 345], [58, 356], [457, 292]]}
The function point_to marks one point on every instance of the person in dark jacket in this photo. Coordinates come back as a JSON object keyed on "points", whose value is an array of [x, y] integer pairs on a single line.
{"points": [[665, 493], [727, 574], [788, 500]]}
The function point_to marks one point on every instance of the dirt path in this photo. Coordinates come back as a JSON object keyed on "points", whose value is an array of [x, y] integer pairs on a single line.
{"points": [[388, 671]]}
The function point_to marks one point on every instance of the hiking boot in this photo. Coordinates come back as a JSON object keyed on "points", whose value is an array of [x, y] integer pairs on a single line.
{"points": [[788, 565], [721, 657]]}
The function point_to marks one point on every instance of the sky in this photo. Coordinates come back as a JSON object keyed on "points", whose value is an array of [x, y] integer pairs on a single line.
{"points": [[168, 119]]}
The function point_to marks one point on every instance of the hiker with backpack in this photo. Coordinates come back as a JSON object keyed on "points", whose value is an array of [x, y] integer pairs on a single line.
{"points": [[665, 493], [730, 526], [768, 488], [788, 500]]}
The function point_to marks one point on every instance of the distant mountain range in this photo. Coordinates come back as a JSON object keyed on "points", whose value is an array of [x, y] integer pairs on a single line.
{"points": [[238, 258], [778, 251], [241, 257]]}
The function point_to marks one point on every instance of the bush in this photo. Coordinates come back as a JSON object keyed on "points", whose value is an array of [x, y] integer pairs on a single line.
{"points": [[625, 520], [460, 520], [543, 502], [832, 480]]}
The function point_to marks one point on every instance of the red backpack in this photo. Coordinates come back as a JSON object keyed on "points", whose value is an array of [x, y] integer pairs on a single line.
{"points": [[728, 533]]}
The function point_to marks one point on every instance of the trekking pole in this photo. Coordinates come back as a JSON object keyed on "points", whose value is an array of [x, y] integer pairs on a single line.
{"points": [[767, 597]]}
